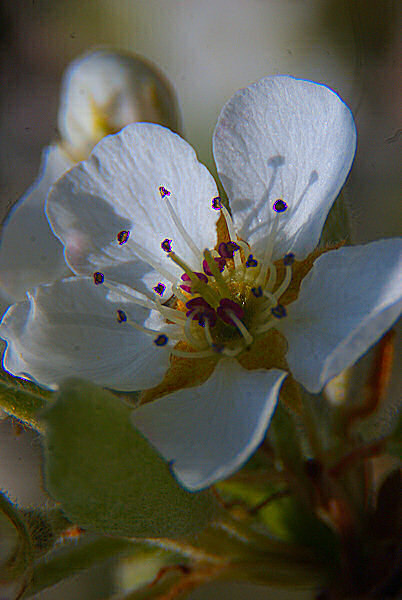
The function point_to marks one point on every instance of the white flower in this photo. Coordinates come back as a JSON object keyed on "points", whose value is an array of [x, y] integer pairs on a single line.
{"points": [[101, 93], [205, 313]]}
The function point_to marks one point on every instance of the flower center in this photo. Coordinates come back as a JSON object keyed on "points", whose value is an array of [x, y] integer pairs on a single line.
{"points": [[221, 309]]}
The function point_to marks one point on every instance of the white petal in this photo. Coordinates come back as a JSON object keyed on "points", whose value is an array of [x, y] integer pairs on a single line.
{"points": [[30, 253], [117, 188], [70, 329], [347, 301], [284, 138], [208, 432]]}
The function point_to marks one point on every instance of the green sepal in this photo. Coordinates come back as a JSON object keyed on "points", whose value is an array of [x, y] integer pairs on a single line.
{"points": [[287, 442], [107, 477], [394, 442], [154, 591], [44, 528], [337, 227], [22, 399], [75, 557], [16, 547]]}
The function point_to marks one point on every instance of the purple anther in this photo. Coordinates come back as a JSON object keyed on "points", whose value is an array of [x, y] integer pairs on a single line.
{"points": [[257, 291], [280, 205], [166, 245], [196, 303], [98, 278], [122, 237], [216, 203], [207, 315], [220, 261], [289, 259], [226, 305], [199, 310], [161, 340], [279, 311], [160, 288], [201, 276], [227, 249], [121, 316], [251, 261], [163, 192], [185, 277]]}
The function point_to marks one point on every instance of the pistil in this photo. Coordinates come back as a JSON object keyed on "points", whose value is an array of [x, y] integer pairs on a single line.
{"points": [[220, 282]]}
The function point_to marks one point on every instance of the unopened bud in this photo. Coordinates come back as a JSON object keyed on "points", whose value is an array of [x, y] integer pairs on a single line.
{"points": [[104, 91]]}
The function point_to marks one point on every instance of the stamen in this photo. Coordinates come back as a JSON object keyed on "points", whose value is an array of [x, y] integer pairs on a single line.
{"points": [[232, 351], [266, 327], [196, 303], [232, 233], [279, 205], [272, 277], [216, 203], [98, 278], [285, 283], [122, 237], [251, 261], [121, 316], [190, 338], [185, 277], [289, 259], [131, 297], [197, 285], [151, 331], [176, 220], [221, 262], [171, 314], [221, 283], [160, 288], [161, 340], [200, 310], [226, 305], [270, 297], [279, 311], [152, 261], [179, 294], [257, 291], [227, 249], [208, 335], [248, 338], [244, 246], [163, 191], [166, 245]]}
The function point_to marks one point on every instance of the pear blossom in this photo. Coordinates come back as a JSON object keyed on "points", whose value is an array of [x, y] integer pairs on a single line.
{"points": [[213, 314], [101, 92]]}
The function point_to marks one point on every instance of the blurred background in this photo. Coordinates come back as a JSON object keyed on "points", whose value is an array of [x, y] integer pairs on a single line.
{"points": [[208, 49]]}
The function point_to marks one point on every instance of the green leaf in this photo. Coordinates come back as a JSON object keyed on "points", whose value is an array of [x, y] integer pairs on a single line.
{"points": [[22, 399], [108, 478]]}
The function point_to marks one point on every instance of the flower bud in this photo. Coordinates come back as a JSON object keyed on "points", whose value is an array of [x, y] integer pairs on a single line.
{"points": [[104, 91]]}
